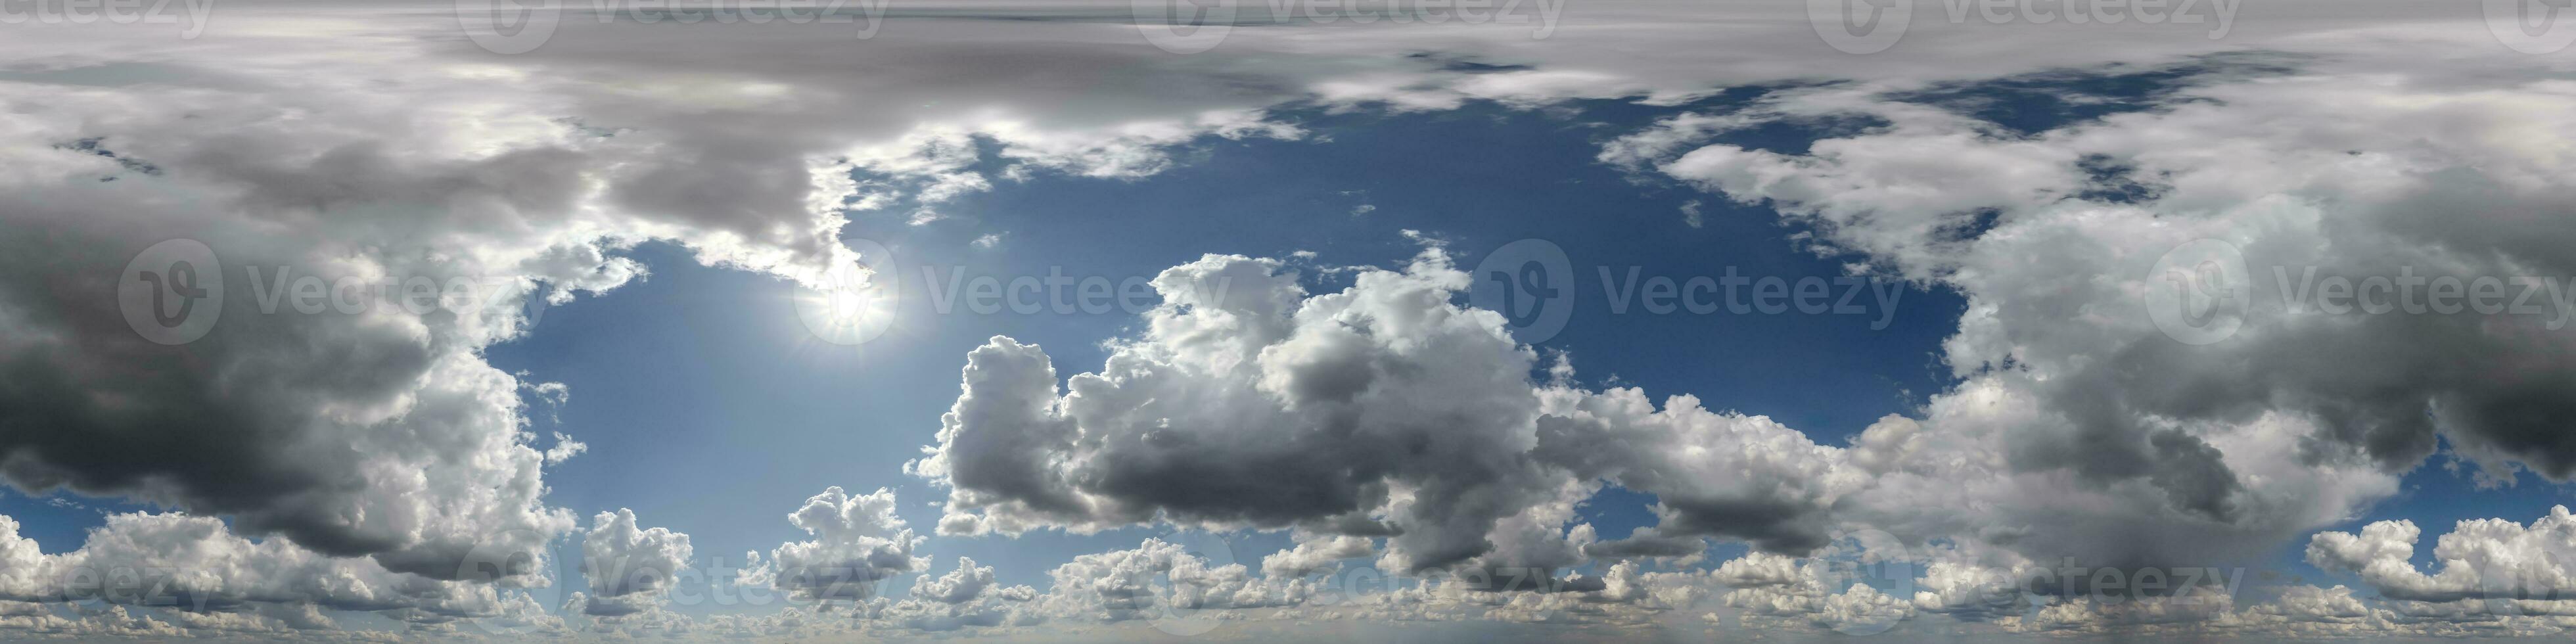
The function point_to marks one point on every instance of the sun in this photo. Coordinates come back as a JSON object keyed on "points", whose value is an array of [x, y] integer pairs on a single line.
{"points": [[848, 307]]}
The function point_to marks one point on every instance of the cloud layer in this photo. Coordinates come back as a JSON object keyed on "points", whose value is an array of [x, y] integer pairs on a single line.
{"points": [[364, 457]]}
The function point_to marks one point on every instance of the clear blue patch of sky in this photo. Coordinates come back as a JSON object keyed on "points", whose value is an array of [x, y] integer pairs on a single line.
{"points": [[59, 522]]}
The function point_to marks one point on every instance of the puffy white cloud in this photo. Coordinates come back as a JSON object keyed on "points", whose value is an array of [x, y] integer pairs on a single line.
{"points": [[565, 448], [959, 586], [1380, 409], [2339, 612], [2188, 611], [629, 568], [1760, 569], [1315, 553], [1159, 580], [858, 545], [212, 581], [965, 598], [2479, 559], [1719, 474]]}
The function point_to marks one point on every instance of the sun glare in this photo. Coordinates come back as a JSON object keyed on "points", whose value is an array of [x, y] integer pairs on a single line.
{"points": [[851, 308]]}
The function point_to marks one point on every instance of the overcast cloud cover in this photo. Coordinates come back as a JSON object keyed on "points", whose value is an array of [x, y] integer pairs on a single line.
{"points": [[1287, 448]]}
